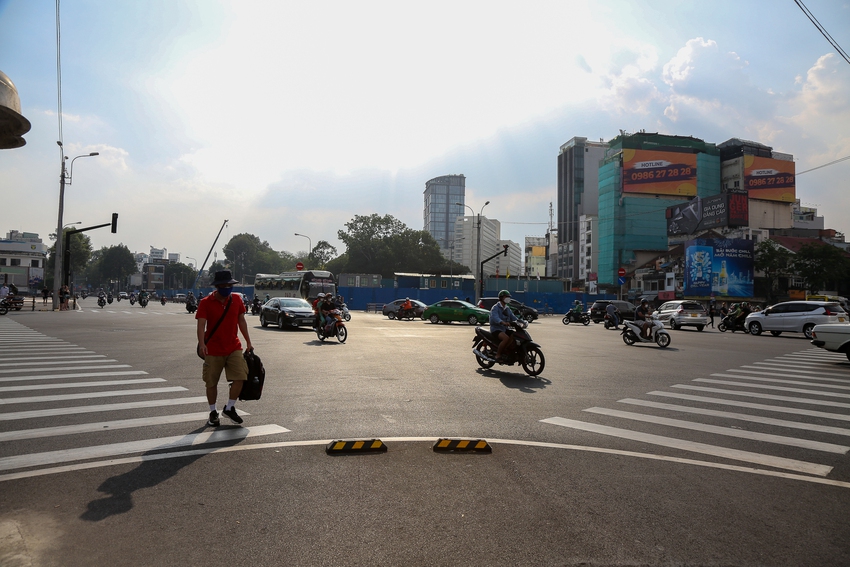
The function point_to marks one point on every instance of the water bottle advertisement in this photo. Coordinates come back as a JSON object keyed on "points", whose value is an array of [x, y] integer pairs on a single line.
{"points": [[719, 267]]}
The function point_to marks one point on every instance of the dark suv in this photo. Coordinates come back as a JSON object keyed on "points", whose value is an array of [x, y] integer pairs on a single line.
{"points": [[597, 310], [520, 309]]}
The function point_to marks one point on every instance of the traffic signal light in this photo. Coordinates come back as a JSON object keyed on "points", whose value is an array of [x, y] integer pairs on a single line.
{"points": [[114, 223], [505, 252]]}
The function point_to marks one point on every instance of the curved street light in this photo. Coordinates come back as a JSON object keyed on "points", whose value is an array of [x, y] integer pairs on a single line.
{"points": [[308, 240], [65, 177]]}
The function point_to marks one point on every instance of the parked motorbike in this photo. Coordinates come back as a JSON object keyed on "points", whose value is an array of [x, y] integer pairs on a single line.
{"points": [[726, 324], [632, 333], [573, 317], [333, 328], [524, 352], [101, 301]]}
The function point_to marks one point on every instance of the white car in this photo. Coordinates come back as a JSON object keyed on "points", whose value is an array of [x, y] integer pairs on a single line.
{"points": [[834, 337], [795, 317], [682, 313]]}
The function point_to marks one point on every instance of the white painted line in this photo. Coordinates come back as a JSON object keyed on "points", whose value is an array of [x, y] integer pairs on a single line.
{"points": [[58, 349], [727, 431], [761, 370], [769, 387], [123, 406], [764, 396], [98, 427], [94, 367], [430, 441], [765, 407], [59, 398], [722, 452], [33, 387], [12, 360], [740, 417], [77, 375], [127, 312], [794, 368], [762, 378], [66, 455]]}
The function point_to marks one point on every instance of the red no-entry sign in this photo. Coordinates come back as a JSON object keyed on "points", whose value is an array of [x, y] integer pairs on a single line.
{"points": [[299, 266], [621, 272]]}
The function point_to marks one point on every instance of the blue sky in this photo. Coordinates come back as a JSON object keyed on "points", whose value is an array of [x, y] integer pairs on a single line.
{"points": [[288, 117]]}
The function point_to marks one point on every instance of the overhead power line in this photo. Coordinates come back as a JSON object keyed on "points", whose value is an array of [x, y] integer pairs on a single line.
{"points": [[822, 30], [845, 158]]}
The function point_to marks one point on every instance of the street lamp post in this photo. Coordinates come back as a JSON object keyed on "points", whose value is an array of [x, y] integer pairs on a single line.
{"points": [[65, 177], [479, 279], [308, 240]]}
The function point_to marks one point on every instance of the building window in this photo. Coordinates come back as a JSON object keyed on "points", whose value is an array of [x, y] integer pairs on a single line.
{"points": [[433, 283], [444, 284], [2, 261], [34, 264], [15, 262]]}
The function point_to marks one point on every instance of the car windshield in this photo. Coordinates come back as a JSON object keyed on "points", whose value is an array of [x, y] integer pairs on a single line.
{"points": [[294, 302]]}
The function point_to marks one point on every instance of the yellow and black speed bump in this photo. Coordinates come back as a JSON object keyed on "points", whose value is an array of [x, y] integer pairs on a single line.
{"points": [[357, 446], [462, 446]]}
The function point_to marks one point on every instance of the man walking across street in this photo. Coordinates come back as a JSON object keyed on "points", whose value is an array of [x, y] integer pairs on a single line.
{"points": [[219, 316]]}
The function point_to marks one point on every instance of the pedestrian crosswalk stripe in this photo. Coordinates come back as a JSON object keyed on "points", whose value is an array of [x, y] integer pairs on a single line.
{"points": [[97, 427], [75, 375], [123, 406], [57, 349], [787, 359], [727, 431], [13, 361], [93, 367], [790, 373], [772, 387], [690, 446], [763, 396], [740, 416], [806, 382], [62, 397], [219, 435], [33, 387], [794, 368], [739, 404]]}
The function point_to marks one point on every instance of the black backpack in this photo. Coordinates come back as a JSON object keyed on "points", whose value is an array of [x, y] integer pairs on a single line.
{"points": [[252, 389]]}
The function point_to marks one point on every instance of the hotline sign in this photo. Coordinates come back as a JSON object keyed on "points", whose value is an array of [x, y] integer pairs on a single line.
{"points": [[659, 173]]}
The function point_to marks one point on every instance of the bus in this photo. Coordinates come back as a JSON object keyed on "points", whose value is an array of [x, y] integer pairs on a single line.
{"points": [[306, 284]]}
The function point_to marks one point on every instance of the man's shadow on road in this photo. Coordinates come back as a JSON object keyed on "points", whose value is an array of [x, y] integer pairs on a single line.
{"points": [[149, 473]]}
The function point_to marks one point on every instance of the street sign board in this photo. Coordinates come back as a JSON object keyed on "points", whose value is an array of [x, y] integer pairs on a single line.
{"points": [[621, 272], [299, 266], [621, 280]]}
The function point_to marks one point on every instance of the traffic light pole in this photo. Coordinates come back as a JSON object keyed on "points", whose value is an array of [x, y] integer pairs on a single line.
{"points": [[481, 268], [66, 267]]}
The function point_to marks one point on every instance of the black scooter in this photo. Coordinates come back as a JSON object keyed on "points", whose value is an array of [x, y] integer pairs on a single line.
{"points": [[726, 324], [573, 317], [524, 352]]}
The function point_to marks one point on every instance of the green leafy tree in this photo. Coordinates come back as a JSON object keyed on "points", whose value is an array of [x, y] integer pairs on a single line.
{"points": [[322, 253], [773, 261], [821, 266], [81, 253], [248, 256], [179, 275], [117, 262]]}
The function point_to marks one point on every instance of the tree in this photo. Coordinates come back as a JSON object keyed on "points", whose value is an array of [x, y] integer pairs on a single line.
{"points": [[81, 253], [773, 261], [322, 253], [248, 256], [116, 263], [179, 275], [821, 266]]}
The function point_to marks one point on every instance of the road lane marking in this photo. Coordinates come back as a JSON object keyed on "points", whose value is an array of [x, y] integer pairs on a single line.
{"points": [[98, 427], [76, 375], [32, 387], [123, 406], [794, 368], [13, 361], [762, 378], [740, 416], [766, 407], [693, 447], [63, 397], [93, 367], [99, 451], [727, 431], [58, 349], [771, 387], [763, 396]]}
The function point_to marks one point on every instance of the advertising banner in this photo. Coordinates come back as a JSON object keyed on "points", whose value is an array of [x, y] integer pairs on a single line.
{"points": [[720, 267], [659, 173], [770, 179], [701, 214]]}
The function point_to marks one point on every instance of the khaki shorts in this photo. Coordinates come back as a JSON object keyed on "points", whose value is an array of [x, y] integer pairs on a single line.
{"points": [[234, 366]]}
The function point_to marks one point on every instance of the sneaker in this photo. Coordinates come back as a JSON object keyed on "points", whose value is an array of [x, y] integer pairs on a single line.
{"points": [[232, 415], [213, 420]]}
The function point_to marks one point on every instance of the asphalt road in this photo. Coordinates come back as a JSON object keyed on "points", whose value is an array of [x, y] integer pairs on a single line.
{"points": [[723, 449]]}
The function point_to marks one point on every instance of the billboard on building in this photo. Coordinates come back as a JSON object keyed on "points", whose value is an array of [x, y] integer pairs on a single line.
{"points": [[659, 173], [711, 212], [722, 267], [770, 179]]}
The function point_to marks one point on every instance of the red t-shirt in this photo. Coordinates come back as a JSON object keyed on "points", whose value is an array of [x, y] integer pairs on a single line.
{"points": [[225, 340]]}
